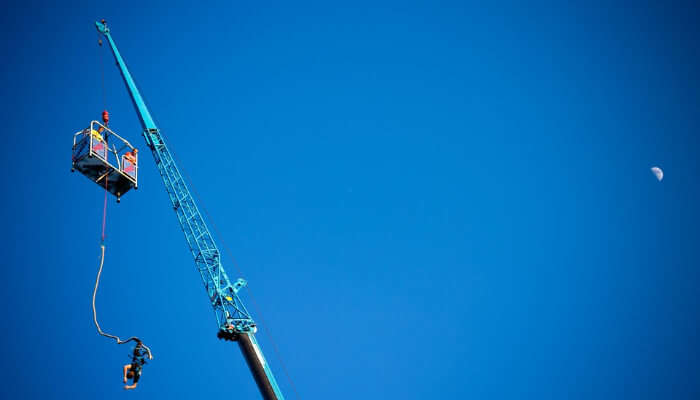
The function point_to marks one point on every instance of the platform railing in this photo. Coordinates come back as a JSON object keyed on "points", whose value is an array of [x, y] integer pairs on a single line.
{"points": [[100, 141]]}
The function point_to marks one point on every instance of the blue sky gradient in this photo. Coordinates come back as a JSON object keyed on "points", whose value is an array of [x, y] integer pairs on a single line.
{"points": [[428, 199]]}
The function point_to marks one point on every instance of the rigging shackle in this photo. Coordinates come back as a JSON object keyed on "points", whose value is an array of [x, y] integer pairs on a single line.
{"points": [[105, 117]]}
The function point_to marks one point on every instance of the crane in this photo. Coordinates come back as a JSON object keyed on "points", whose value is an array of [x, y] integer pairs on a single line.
{"points": [[233, 319]]}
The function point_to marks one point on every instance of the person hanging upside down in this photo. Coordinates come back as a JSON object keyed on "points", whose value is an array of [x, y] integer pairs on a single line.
{"points": [[133, 371]]}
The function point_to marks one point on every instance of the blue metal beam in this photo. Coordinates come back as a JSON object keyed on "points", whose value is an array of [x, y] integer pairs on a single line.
{"points": [[139, 104]]}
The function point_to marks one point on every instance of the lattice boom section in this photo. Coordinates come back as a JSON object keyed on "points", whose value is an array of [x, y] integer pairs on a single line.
{"points": [[228, 308]]}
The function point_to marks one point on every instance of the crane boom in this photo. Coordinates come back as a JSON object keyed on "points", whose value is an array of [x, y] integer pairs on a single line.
{"points": [[233, 319]]}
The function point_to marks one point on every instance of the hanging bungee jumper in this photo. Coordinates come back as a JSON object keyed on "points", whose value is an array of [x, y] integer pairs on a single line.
{"points": [[138, 356], [112, 162], [133, 370]]}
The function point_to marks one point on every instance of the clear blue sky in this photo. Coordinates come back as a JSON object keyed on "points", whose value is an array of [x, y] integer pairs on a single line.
{"points": [[429, 199]]}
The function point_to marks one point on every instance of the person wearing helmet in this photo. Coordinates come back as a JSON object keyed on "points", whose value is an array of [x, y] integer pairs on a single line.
{"points": [[131, 156], [133, 370], [129, 164], [97, 134]]}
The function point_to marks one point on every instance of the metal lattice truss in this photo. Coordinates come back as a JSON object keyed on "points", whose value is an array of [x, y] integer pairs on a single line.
{"points": [[230, 312]]}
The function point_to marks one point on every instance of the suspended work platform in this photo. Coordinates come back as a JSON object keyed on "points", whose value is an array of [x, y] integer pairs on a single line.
{"points": [[106, 159]]}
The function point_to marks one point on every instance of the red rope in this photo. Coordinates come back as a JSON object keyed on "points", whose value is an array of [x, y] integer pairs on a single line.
{"points": [[104, 101], [104, 211]]}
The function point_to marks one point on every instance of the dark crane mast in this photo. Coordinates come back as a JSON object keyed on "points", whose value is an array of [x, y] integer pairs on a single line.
{"points": [[233, 320]]}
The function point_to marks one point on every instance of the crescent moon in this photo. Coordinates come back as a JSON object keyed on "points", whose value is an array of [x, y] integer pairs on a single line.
{"points": [[658, 173]]}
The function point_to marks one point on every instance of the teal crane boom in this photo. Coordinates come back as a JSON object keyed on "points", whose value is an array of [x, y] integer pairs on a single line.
{"points": [[233, 319]]}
